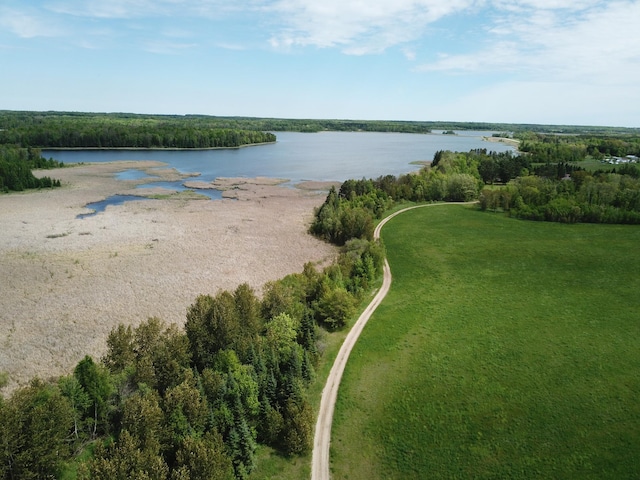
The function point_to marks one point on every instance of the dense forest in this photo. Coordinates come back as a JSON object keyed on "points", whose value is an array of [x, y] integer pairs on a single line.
{"points": [[15, 120], [16, 165], [574, 148], [520, 185], [114, 131], [171, 403]]}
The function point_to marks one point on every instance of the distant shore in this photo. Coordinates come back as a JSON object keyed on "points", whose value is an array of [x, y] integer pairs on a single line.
{"points": [[507, 141], [68, 281], [171, 149]]}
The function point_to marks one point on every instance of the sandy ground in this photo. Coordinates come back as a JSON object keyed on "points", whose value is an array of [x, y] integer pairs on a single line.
{"points": [[507, 141], [65, 282]]}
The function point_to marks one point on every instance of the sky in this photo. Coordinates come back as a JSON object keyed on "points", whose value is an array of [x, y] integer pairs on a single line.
{"points": [[569, 62]]}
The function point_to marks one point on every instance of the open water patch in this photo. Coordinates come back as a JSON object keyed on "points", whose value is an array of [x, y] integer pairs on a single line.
{"points": [[178, 186], [133, 174], [100, 206]]}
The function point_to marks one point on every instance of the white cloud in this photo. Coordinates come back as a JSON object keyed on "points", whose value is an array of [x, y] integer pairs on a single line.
{"points": [[358, 26], [28, 24], [128, 9], [600, 43], [500, 56]]}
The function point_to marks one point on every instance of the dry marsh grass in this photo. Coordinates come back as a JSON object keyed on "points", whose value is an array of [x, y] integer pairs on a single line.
{"points": [[66, 282]]}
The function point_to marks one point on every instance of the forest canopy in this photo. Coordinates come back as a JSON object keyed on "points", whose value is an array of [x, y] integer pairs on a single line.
{"points": [[13, 120], [58, 130], [172, 403], [16, 165]]}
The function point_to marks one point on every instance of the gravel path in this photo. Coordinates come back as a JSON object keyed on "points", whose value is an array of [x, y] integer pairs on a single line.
{"points": [[322, 438]]}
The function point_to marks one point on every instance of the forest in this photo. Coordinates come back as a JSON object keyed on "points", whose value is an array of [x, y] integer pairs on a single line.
{"points": [[575, 148], [16, 120], [56, 130], [194, 402], [172, 403], [521, 185], [16, 165]]}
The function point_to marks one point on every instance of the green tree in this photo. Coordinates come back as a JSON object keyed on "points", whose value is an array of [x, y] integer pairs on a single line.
{"points": [[212, 325], [203, 458], [281, 334], [142, 418], [334, 307], [36, 424], [251, 324], [96, 382], [120, 349], [298, 427], [186, 410], [71, 388], [124, 460]]}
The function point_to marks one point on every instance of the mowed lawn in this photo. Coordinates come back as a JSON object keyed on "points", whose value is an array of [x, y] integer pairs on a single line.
{"points": [[506, 349]]}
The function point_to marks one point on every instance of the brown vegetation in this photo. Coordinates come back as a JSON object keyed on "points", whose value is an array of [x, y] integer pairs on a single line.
{"points": [[67, 281]]}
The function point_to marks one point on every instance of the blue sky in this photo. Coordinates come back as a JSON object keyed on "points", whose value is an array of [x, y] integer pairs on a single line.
{"points": [[521, 61]]}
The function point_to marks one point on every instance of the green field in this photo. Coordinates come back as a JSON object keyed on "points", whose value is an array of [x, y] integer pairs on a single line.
{"points": [[505, 349]]}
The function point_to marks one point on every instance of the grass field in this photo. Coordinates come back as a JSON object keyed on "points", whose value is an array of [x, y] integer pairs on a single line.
{"points": [[505, 349]]}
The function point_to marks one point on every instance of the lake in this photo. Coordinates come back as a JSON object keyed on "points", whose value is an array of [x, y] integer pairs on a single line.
{"points": [[298, 156]]}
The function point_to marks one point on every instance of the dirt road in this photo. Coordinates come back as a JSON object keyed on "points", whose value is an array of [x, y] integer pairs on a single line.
{"points": [[322, 439]]}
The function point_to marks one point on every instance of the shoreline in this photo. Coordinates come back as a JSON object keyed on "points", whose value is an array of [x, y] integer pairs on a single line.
{"points": [[68, 281], [152, 149], [507, 141]]}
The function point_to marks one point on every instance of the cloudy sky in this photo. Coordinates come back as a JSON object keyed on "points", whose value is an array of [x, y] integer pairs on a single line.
{"points": [[522, 61]]}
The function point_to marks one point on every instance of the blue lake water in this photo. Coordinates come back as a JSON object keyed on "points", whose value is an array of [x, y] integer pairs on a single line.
{"points": [[212, 193], [302, 156], [100, 206], [133, 174]]}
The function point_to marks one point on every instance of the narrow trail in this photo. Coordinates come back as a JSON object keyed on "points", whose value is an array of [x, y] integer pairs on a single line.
{"points": [[322, 439]]}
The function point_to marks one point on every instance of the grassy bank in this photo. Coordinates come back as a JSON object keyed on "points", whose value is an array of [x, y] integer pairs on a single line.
{"points": [[505, 349]]}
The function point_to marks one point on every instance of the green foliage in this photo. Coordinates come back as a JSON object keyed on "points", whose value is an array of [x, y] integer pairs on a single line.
{"points": [[584, 197], [298, 427], [125, 459], [203, 458], [72, 389], [172, 404], [142, 418], [505, 349], [186, 411], [281, 335], [14, 119], [452, 176], [120, 349], [16, 165], [334, 306], [96, 382], [543, 148], [55, 130], [212, 325], [35, 427]]}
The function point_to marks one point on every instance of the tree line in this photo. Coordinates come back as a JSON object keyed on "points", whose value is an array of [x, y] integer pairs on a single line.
{"points": [[16, 166], [593, 197], [559, 191], [352, 210], [13, 119], [89, 135], [172, 403], [543, 148]]}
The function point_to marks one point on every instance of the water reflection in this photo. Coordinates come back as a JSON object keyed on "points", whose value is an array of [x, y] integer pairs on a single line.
{"points": [[100, 206], [179, 187]]}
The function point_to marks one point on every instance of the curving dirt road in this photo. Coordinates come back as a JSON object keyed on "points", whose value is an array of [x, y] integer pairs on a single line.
{"points": [[322, 439]]}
